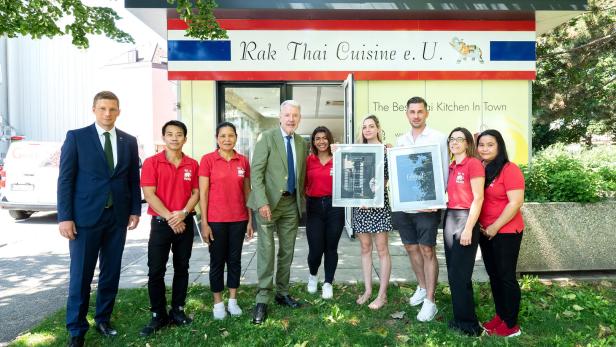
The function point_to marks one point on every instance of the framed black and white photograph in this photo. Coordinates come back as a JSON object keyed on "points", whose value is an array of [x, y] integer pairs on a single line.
{"points": [[416, 178], [359, 176]]}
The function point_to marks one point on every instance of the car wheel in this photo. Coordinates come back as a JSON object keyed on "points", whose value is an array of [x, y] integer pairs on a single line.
{"points": [[20, 214]]}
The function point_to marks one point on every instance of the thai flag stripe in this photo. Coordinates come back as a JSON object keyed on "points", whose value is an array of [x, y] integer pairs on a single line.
{"points": [[512, 50], [199, 50]]}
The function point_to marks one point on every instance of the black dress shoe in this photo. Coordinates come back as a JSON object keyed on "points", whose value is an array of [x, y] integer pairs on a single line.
{"points": [[156, 323], [259, 315], [76, 341], [178, 317], [287, 300], [105, 329]]}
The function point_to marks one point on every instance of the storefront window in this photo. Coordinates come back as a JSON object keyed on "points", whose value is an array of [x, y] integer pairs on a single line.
{"points": [[251, 110]]}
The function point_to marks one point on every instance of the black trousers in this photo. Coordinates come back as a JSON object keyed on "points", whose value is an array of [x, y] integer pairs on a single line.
{"points": [[500, 256], [163, 239], [324, 225], [226, 249], [460, 263]]}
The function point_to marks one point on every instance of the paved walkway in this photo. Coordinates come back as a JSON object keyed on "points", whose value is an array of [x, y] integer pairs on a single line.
{"points": [[134, 273]]}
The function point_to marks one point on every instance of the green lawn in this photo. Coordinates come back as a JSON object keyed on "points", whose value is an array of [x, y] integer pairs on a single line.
{"points": [[552, 314]]}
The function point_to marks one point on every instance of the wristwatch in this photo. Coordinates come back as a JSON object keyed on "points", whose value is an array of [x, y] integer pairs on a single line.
{"points": [[185, 212]]}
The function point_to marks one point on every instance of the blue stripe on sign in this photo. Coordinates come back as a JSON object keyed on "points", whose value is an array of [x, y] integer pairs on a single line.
{"points": [[199, 50], [512, 50]]}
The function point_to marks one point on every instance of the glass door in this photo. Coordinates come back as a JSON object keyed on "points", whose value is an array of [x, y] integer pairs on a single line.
{"points": [[322, 105], [252, 108]]}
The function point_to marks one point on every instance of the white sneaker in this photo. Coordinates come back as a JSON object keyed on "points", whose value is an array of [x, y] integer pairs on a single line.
{"points": [[234, 308], [418, 297], [427, 312], [328, 291], [219, 311], [312, 284]]}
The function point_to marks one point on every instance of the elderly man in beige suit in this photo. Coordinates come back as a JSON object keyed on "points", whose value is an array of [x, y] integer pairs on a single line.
{"points": [[278, 169]]}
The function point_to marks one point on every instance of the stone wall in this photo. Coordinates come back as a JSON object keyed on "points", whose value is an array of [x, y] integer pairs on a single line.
{"points": [[568, 237]]}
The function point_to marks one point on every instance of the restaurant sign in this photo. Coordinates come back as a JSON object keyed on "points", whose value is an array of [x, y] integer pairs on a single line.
{"points": [[371, 49]]}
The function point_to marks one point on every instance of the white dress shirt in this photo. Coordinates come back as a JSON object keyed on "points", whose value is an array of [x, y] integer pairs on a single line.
{"points": [[114, 141]]}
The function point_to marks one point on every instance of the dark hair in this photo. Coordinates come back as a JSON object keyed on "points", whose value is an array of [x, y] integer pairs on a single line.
{"points": [[361, 138], [176, 123], [105, 95], [495, 166], [470, 143], [417, 100], [328, 135], [224, 125]]}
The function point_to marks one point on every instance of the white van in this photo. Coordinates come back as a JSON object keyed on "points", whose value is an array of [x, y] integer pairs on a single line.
{"points": [[31, 176]]}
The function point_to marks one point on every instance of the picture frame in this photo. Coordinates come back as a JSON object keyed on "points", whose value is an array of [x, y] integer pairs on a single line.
{"points": [[416, 178], [359, 175]]}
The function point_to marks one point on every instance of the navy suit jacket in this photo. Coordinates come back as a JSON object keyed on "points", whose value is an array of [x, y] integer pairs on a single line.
{"points": [[85, 180]]}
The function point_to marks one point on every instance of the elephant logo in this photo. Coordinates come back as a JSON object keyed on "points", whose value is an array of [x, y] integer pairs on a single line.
{"points": [[466, 51]]}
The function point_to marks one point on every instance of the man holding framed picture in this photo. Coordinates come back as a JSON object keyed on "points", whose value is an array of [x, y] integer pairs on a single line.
{"points": [[418, 229]]}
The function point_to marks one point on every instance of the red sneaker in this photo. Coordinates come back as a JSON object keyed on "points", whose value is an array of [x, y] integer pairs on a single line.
{"points": [[492, 324], [504, 331]]}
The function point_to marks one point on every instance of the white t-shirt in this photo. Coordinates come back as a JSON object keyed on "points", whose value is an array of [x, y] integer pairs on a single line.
{"points": [[428, 136]]}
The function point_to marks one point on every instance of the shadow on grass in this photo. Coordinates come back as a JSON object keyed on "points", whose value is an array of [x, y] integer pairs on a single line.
{"points": [[33, 286], [551, 314]]}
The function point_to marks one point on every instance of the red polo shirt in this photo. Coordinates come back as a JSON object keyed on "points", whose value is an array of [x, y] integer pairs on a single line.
{"points": [[495, 199], [226, 201], [459, 189], [318, 177], [173, 185]]}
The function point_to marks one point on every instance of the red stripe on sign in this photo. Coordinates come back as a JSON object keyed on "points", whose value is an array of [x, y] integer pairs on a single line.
{"points": [[373, 25], [341, 75]]}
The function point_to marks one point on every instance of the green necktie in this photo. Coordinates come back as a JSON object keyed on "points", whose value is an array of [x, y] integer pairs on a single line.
{"points": [[109, 157]]}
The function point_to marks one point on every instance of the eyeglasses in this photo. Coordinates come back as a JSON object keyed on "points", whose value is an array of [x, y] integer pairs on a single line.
{"points": [[457, 139]]}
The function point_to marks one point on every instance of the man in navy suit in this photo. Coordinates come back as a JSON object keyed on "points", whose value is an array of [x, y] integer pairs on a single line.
{"points": [[98, 199]]}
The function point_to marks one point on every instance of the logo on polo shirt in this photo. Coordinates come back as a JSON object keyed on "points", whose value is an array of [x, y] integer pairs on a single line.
{"points": [[460, 177], [240, 172], [187, 174]]}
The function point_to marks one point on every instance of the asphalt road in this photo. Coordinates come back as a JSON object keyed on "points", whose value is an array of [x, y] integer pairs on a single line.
{"points": [[34, 265]]}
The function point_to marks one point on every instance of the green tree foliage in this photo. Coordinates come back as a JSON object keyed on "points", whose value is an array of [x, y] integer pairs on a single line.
{"points": [[50, 18], [573, 96], [201, 22]]}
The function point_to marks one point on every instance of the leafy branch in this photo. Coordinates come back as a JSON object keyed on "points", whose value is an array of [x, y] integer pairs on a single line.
{"points": [[201, 21], [50, 18], [43, 18]]}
